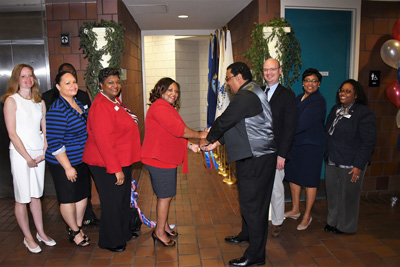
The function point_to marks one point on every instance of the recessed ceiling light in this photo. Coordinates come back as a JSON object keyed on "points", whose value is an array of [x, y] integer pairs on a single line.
{"points": [[183, 16]]}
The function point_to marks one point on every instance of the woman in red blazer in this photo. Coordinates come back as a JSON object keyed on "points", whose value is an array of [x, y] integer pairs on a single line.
{"points": [[113, 145], [164, 148]]}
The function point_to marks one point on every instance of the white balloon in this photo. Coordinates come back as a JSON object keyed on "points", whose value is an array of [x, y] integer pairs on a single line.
{"points": [[398, 119], [390, 53]]}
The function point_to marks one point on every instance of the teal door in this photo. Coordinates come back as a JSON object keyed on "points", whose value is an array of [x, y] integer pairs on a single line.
{"points": [[325, 38]]}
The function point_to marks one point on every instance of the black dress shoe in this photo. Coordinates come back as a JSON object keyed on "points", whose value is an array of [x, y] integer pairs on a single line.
{"points": [[234, 239], [134, 235], [243, 262], [117, 249], [337, 232], [328, 228]]}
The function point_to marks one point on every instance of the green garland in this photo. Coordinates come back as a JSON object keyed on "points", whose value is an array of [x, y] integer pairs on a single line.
{"points": [[289, 46], [88, 42]]}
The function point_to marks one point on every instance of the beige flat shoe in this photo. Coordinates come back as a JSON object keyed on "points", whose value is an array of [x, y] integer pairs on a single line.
{"points": [[302, 227], [294, 216]]}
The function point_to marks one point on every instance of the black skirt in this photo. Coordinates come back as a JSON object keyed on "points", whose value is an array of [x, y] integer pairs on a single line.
{"points": [[163, 181], [67, 191]]}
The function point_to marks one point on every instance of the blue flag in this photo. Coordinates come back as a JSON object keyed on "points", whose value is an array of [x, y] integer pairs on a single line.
{"points": [[212, 80]]}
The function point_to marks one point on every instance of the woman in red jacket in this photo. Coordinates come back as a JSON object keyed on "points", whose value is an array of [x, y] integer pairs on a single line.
{"points": [[113, 145], [164, 148]]}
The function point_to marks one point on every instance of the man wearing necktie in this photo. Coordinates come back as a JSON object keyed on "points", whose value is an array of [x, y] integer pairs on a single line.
{"points": [[284, 117]]}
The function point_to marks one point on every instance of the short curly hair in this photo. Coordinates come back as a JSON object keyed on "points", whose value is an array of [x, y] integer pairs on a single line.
{"points": [[107, 72], [311, 71], [242, 68], [358, 91], [161, 87]]}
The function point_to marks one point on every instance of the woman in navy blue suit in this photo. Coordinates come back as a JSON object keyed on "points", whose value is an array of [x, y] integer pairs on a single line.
{"points": [[351, 132], [303, 168]]}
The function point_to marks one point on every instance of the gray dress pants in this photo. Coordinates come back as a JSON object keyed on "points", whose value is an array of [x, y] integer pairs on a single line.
{"points": [[343, 198]]}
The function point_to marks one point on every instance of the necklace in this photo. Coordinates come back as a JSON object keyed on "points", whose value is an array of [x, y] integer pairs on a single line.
{"points": [[24, 97], [115, 101]]}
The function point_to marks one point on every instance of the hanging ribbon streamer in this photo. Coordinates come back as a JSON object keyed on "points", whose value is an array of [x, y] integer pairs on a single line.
{"points": [[213, 158], [206, 155], [134, 196], [210, 159]]}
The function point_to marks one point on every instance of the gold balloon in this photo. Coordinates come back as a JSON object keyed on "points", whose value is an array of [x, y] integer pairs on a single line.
{"points": [[390, 53]]}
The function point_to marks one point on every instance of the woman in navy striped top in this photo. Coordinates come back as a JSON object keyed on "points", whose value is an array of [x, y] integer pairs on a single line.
{"points": [[66, 137]]}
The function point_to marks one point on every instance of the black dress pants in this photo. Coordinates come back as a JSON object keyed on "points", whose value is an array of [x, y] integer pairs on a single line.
{"points": [[255, 182], [114, 202]]}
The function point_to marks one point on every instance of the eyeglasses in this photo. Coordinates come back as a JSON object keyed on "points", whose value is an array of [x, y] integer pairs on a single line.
{"points": [[228, 78], [310, 81], [347, 91], [270, 70]]}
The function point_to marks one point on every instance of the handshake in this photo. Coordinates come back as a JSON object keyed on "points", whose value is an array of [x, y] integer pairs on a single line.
{"points": [[207, 146], [203, 144]]}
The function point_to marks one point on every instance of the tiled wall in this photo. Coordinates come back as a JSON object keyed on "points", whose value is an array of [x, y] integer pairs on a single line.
{"points": [[377, 19], [159, 60], [203, 75], [187, 74], [185, 61]]}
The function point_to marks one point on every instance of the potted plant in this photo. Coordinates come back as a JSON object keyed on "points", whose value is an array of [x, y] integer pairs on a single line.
{"points": [[100, 53], [288, 46]]}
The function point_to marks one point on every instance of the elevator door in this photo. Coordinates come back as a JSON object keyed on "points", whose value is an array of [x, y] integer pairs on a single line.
{"points": [[31, 52]]}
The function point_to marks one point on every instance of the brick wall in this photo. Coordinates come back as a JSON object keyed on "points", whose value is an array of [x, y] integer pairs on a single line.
{"points": [[68, 17], [377, 19], [242, 24], [132, 89]]}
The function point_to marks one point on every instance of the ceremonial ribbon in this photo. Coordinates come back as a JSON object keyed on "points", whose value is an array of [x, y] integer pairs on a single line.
{"points": [[134, 196], [207, 155], [213, 158]]}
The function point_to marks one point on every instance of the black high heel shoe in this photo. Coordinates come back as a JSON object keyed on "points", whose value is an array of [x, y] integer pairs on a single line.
{"points": [[172, 233], [80, 229], [73, 234], [170, 243], [84, 235]]}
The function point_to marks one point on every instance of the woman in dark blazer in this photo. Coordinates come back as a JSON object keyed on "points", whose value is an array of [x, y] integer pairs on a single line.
{"points": [[113, 145], [351, 132], [303, 167]]}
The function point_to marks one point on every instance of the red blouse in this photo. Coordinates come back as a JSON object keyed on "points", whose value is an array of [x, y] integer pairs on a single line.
{"points": [[113, 136], [163, 140]]}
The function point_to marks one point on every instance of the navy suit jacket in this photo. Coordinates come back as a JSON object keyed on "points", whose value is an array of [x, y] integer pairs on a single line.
{"points": [[310, 123], [353, 141], [284, 117]]}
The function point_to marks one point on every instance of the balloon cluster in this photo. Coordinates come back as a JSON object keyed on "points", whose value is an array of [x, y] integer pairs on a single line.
{"points": [[390, 54]]}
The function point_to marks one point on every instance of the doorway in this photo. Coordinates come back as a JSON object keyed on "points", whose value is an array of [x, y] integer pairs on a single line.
{"points": [[325, 38], [329, 38]]}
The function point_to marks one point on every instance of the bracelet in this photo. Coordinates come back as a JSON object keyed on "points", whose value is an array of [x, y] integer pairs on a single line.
{"points": [[190, 146]]}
